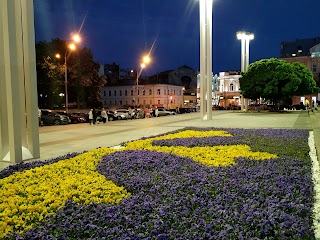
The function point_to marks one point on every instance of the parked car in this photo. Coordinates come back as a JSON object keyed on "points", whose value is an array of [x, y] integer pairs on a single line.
{"points": [[121, 114], [50, 117], [164, 112], [63, 113]]}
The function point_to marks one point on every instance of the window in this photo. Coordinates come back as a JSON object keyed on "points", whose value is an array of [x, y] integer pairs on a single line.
{"points": [[131, 93], [115, 93], [174, 92], [110, 103], [115, 102], [120, 92], [150, 92], [231, 87], [104, 93], [150, 101], [143, 92], [144, 102], [120, 102], [132, 102], [126, 92], [126, 102], [158, 101], [158, 91], [165, 92], [314, 68], [109, 93], [138, 92]]}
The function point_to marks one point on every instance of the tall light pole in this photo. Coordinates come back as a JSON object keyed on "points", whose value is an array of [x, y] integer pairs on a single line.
{"points": [[205, 7], [145, 60], [72, 47], [245, 38]]}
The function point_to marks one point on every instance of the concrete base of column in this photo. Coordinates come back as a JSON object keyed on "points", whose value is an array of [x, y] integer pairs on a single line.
{"points": [[26, 155]]}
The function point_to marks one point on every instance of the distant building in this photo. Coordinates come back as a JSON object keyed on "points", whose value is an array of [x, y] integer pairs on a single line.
{"points": [[298, 47], [169, 89], [307, 52], [229, 89]]}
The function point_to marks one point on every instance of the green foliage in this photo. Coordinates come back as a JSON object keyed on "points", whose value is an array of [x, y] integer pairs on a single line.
{"points": [[84, 82], [276, 79]]}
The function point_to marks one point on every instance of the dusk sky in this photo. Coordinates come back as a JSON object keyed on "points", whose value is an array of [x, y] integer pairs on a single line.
{"points": [[121, 31]]}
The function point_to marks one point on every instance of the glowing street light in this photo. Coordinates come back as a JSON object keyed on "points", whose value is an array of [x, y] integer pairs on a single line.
{"points": [[245, 38], [72, 47], [145, 60]]}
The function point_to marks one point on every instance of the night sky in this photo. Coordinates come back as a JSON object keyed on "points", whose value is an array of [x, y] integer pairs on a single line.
{"points": [[121, 31]]}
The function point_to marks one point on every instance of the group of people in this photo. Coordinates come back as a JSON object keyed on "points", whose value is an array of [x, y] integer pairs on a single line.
{"points": [[93, 116]]}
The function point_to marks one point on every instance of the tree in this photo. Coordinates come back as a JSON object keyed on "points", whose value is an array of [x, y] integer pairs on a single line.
{"points": [[84, 82], [276, 80]]}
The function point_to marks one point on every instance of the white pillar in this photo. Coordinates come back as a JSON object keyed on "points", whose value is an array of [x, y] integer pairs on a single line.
{"points": [[19, 131], [205, 7]]}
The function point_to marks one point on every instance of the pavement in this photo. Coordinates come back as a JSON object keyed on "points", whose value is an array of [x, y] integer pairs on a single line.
{"points": [[60, 140]]}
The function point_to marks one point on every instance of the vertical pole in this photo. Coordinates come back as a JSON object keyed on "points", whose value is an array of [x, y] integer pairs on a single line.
{"points": [[66, 81], [205, 7], [209, 57], [202, 9], [30, 78], [242, 69]]}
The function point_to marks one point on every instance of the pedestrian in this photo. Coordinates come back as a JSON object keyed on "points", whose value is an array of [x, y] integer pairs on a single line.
{"points": [[147, 113], [156, 112], [39, 117], [95, 115], [130, 112], [307, 104], [90, 113], [104, 115]]}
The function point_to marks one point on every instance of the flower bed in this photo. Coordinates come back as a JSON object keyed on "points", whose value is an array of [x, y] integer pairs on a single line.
{"points": [[189, 184]]}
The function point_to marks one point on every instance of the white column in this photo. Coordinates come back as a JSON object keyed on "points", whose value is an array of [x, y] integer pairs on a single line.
{"points": [[19, 114], [205, 7]]}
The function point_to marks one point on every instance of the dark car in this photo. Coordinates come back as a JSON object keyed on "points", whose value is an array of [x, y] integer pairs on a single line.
{"points": [[49, 117], [76, 118], [110, 115]]}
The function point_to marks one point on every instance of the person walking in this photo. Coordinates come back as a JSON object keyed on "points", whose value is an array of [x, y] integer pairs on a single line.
{"points": [[95, 115], [307, 104], [131, 113], [104, 115], [147, 113], [90, 113], [39, 117], [156, 112]]}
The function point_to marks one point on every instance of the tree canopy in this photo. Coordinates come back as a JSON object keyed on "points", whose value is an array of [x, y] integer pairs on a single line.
{"points": [[276, 79], [84, 82]]}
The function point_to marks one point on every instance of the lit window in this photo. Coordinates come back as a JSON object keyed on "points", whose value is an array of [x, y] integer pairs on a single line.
{"points": [[314, 68]]}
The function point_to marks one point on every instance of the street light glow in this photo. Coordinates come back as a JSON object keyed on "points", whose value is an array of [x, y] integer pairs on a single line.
{"points": [[245, 35], [143, 65], [58, 55], [72, 46], [76, 38], [146, 59]]}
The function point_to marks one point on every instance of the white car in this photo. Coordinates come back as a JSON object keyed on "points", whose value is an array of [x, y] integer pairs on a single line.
{"points": [[121, 114], [164, 112]]}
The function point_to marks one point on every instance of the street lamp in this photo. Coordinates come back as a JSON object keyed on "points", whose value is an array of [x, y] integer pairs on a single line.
{"points": [[145, 60], [72, 47], [245, 38]]}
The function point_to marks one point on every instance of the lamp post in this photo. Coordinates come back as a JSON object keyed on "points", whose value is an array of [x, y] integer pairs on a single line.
{"points": [[145, 60], [205, 7], [245, 38], [72, 47]]}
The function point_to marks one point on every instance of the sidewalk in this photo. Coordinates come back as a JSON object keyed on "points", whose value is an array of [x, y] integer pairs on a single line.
{"points": [[60, 140]]}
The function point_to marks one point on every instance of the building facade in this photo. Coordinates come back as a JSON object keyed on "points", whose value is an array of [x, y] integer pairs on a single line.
{"points": [[229, 89], [149, 95], [307, 52]]}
